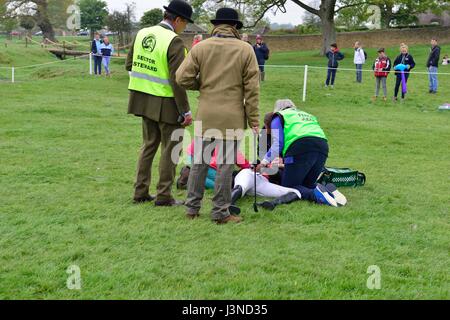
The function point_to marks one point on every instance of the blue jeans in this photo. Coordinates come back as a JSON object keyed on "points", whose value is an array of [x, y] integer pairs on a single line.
{"points": [[432, 75], [98, 64], [331, 75], [359, 72]]}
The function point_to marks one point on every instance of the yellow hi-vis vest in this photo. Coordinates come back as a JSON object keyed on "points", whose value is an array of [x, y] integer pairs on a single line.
{"points": [[150, 71]]}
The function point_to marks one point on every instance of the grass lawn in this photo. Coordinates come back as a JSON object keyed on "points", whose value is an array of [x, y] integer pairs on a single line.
{"points": [[68, 154]]}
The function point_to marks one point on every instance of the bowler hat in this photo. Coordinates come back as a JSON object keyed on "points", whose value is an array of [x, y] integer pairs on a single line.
{"points": [[228, 16], [180, 8]]}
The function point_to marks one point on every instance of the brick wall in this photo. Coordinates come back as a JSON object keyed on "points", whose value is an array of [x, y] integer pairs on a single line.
{"points": [[370, 39]]}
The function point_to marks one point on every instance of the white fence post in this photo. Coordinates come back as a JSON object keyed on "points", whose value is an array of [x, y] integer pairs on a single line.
{"points": [[305, 82], [90, 63], [12, 75]]}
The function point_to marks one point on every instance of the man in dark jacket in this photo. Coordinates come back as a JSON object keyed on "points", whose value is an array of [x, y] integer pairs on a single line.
{"points": [[156, 97], [262, 54], [334, 56], [432, 65], [95, 50]]}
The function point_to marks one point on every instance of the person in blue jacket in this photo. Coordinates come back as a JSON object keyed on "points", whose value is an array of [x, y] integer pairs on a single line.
{"points": [[262, 55], [97, 54], [107, 50], [334, 56]]}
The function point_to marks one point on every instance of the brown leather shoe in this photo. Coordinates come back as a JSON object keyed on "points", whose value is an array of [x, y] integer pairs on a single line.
{"points": [[192, 215], [169, 203], [230, 218], [143, 200]]}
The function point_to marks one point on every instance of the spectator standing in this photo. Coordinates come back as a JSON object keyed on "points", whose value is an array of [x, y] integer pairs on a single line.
{"points": [[381, 68], [262, 55], [403, 64], [107, 51], [97, 54], [246, 39], [433, 64], [197, 39], [334, 56], [359, 60]]}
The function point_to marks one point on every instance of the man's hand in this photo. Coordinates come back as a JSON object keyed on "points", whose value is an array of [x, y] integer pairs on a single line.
{"points": [[255, 130], [187, 120]]}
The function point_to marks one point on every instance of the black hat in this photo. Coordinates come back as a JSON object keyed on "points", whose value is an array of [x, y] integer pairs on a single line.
{"points": [[228, 16], [180, 8]]}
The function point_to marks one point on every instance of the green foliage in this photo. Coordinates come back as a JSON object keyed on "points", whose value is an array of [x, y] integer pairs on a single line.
{"points": [[151, 18], [27, 22], [68, 166], [93, 14]]}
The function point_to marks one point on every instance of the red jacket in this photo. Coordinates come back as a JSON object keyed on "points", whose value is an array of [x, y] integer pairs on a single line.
{"points": [[382, 66]]}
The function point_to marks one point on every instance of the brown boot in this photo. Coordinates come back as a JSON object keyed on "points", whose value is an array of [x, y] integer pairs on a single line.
{"points": [[230, 218], [168, 203], [192, 215], [143, 199], [183, 179], [374, 98]]}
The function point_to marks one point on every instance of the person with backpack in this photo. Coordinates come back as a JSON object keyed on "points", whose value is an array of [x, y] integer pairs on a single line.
{"points": [[403, 64], [381, 68], [334, 56], [359, 59], [262, 55]]}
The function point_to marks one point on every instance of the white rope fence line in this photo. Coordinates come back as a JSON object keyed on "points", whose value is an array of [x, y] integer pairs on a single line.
{"points": [[344, 69]]}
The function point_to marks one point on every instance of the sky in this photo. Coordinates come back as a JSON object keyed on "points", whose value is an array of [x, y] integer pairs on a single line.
{"points": [[293, 15]]}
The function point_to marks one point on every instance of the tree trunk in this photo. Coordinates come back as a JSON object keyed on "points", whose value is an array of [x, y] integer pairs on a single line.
{"points": [[326, 14], [386, 16], [43, 21]]}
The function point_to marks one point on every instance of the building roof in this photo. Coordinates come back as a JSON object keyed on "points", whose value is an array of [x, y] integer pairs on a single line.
{"points": [[193, 28]]}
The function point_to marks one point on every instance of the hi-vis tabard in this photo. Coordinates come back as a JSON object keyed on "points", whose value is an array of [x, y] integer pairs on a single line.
{"points": [[150, 71], [297, 125]]}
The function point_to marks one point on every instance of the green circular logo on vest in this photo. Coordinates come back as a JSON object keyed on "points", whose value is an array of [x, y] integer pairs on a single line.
{"points": [[149, 43]]}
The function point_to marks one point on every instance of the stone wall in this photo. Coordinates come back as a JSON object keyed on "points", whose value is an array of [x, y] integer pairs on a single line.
{"points": [[369, 39]]}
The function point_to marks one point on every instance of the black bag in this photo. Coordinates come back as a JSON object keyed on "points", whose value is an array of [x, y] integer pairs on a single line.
{"points": [[342, 177]]}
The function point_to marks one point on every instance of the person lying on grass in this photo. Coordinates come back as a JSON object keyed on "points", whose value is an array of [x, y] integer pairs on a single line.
{"points": [[300, 147], [210, 181]]}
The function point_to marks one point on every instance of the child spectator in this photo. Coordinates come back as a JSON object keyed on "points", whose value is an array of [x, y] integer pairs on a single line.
{"points": [[445, 60], [334, 56], [381, 67], [403, 64]]}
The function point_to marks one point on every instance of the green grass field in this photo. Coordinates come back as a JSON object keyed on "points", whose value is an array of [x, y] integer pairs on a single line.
{"points": [[68, 159]]}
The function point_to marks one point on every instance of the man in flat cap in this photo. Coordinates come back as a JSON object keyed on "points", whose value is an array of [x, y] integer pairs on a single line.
{"points": [[155, 56]]}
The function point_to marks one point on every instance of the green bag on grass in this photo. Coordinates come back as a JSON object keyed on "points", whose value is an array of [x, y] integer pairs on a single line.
{"points": [[342, 177]]}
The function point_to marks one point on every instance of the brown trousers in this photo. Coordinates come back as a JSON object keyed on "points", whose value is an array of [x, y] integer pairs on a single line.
{"points": [[226, 159], [154, 134]]}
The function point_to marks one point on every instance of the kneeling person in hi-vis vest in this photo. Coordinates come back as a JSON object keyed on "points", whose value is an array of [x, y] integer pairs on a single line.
{"points": [[298, 141], [152, 62]]}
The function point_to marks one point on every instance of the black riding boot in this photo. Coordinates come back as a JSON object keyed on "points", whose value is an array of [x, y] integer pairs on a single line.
{"points": [[286, 199], [236, 194]]}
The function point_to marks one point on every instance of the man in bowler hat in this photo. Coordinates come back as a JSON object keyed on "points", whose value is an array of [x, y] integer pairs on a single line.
{"points": [[225, 71]]}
